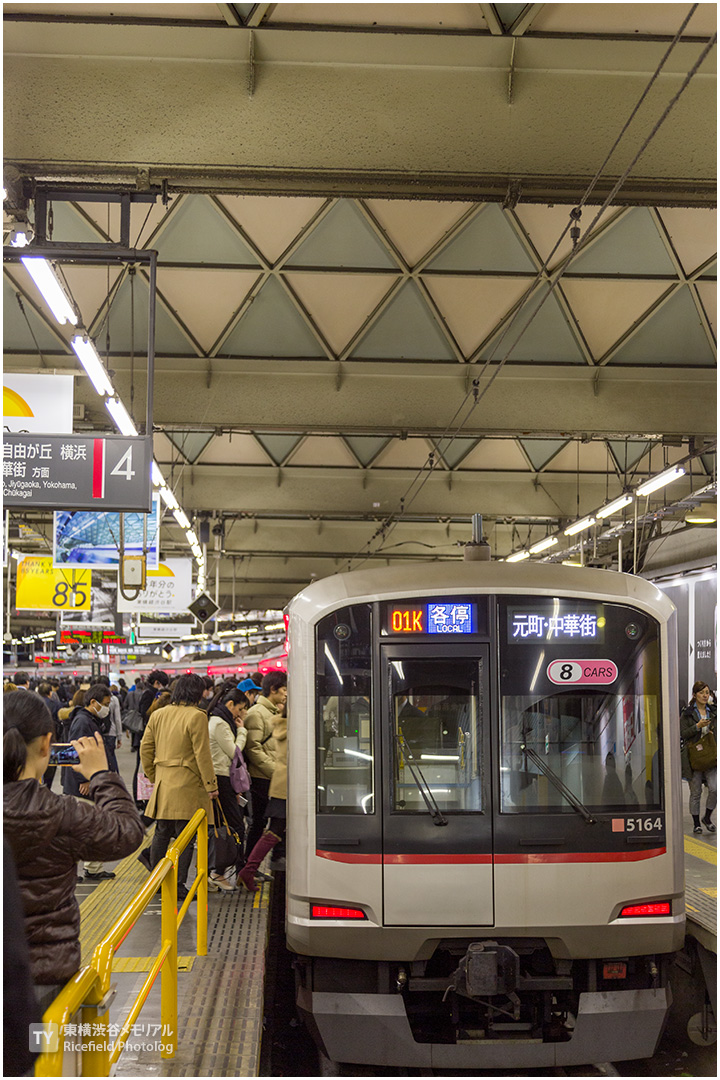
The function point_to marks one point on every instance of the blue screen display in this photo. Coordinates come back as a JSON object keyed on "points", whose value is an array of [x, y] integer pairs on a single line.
{"points": [[451, 619]]}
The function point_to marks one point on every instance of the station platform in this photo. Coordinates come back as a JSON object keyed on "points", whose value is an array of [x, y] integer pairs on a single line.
{"points": [[701, 884], [220, 996]]}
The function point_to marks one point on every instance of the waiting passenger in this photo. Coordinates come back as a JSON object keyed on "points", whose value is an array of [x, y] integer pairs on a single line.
{"points": [[697, 726], [250, 689], [175, 756], [228, 735], [48, 833], [260, 750], [276, 806]]}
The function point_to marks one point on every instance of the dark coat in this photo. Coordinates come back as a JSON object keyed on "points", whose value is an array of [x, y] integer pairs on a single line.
{"points": [[48, 834], [83, 723], [689, 718]]}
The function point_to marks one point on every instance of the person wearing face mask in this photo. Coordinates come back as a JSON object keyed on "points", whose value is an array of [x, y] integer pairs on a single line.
{"points": [[90, 720]]}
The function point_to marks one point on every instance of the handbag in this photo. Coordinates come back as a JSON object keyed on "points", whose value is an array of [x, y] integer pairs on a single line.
{"points": [[702, 753], [144, 787], [133, 721], [239, 775], [228, 844]]}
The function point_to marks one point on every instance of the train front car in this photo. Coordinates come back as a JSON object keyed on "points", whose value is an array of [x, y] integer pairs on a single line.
{"points": [[485, 851]]}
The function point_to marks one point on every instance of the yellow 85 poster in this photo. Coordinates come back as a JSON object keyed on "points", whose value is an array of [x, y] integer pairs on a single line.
{"points": [[40, 586]]}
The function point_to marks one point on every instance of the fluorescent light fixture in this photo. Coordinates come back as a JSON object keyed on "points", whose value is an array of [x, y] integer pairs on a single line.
{"points": [[518, 556], [580, 526], [704, 514], [88, 356], [612, 507], [157, 477], [543, 545], [121, 416], [571, 562], [656, 482], [44, 277], [192, 538], [169, 499], [181, 518]]}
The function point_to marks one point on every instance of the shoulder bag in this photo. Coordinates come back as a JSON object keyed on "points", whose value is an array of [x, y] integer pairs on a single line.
{"points": [[132, 720], [702, 753], [239, 775], [227, 843]]}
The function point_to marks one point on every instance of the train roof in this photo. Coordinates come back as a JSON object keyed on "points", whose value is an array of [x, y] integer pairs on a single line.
{"points": [[423, 579]]}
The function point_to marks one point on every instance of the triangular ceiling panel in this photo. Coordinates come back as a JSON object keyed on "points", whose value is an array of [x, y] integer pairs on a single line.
{"points": [[631, 246], [501, 455], [406, 330], [271, 326], [271, 223], [711, 271], [206, 299], [198, 232], [473, 306], [674, 334], [460, 16], [707, 291], [488, 242], [144, 219], [545, 225], [593, 457], [169, 338], [70, 227], [236, 449], [339, 303], [508, 13], [366, 447], [16, 333], [279, 447], [605, 310], [453, 451], [544, 337], [693, 233], [324, 450], [343, 238], [163, 451], [89, 288], [190, 443], [416, 226], [627, 452], [404, 454], [541, 451], [709, 463]]}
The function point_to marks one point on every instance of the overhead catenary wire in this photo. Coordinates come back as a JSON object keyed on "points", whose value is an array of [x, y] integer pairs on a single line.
{"points": [[426, 470]]}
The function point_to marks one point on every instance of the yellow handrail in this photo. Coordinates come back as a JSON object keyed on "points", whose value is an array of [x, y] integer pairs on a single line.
{"points": [[89, 988]]}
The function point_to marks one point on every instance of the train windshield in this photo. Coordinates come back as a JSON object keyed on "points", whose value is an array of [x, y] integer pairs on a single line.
{"points": [[344, 716], [580, 690]]}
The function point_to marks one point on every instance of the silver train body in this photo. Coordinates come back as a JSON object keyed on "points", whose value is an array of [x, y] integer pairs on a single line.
{"points": [[485, 862]]}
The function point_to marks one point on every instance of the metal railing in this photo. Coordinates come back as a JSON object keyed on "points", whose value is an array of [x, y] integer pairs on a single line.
{"points": [[90, 991]]}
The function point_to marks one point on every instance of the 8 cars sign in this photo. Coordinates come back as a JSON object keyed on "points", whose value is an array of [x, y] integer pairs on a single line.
{"points": [[582, 672]]}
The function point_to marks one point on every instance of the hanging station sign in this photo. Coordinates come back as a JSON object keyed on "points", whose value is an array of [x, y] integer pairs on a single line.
{"points": [[78, 472]]}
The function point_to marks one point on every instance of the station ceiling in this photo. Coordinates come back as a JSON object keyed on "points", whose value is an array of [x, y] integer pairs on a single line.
{"points": [[369, 305]]}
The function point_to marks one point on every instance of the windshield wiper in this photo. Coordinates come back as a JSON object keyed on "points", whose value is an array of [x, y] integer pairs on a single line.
{"points": [[422, 785], [558, 784]]}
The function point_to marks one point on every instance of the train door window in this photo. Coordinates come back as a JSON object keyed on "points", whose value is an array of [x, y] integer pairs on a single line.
{"points": [[436, 733], [578, 711], [345, 774]]}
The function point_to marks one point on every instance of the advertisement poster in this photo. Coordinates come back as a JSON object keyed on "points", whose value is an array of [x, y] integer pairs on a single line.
{"points": [[38, 404], [92, 538], [170, 627], [42, 587], [103, 599], [169, 588]]}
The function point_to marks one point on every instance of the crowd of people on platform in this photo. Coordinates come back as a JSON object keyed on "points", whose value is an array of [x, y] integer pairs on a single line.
{"points": [[197, 745]]}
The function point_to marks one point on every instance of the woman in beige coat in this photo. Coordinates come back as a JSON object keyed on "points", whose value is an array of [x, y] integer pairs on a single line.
{"points": [[276, 807], [175, 755]]}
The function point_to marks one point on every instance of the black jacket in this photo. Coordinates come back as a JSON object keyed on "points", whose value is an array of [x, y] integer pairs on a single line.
{"points": [[83, 723], [48, 833]]}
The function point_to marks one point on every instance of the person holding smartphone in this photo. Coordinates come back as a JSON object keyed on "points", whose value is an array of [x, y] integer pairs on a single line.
{"points": [[48, 833]]}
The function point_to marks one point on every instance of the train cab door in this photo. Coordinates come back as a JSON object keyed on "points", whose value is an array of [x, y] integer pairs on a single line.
{"points": [[437, 818]]}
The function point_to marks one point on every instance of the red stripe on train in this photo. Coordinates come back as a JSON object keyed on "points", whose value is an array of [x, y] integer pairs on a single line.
{"points": [[535, 858]]}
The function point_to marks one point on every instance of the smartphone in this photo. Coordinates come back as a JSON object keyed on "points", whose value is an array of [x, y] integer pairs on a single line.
{"points": [[63, 754]]}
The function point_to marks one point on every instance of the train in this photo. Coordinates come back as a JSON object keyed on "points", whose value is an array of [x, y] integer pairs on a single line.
{"points": [[485, 853]]}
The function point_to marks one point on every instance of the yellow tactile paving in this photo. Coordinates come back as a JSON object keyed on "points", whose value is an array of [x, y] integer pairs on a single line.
{"points": [[144, 963], [700, 850], [106, 902]]}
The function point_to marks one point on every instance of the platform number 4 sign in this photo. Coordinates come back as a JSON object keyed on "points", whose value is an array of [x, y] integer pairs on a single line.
{"points": [[124, 465]]}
